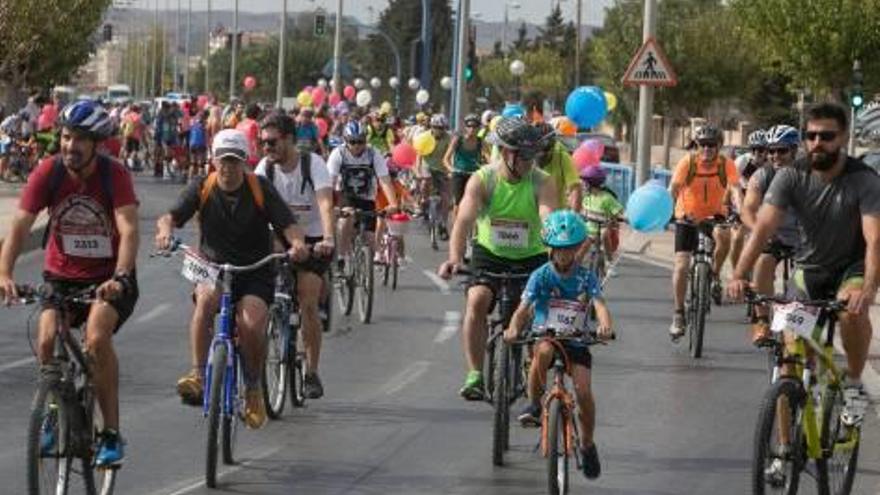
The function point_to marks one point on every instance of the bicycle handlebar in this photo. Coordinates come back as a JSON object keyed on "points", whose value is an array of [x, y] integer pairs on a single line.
{"points": [[590, 338], [832, 305], [464, 271], [178, 246], [35, 293]]}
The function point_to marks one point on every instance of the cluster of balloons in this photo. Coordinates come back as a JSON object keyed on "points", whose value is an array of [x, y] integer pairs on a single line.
{"points": [[587, 106], [424, 143], [588, 154], [649, 208], [564, 126]]}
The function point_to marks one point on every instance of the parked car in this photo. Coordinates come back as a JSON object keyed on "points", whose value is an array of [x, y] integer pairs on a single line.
{"points": [[612, 151]]}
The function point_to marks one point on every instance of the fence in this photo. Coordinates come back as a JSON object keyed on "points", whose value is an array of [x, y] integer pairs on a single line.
{"points": [[622, 179]]}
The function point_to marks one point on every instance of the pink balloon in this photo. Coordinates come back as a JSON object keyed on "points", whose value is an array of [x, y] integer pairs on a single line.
{"points": [[318, 96], [322, 127], [250, 82], [404, 155], [349, 92], [584, 158], [334, 99], [596, 148], [202, 101]]}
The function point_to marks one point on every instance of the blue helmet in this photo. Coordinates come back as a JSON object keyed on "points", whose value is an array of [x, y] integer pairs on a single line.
{"points": [[88, 117], [353, 130], [563, 229], [783, 135]]}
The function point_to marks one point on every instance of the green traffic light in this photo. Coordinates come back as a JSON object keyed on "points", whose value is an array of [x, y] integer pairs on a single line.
{"points": [[468, 73], [857, 101]]}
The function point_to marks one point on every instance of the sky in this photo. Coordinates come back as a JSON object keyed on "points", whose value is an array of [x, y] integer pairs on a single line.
{"points": [[486, 10]]}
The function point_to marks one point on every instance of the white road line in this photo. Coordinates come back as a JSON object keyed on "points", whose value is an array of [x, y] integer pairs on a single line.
{"points": [[439, 282], [16, 364], [153, 313], [409, 375], [451, 323], [196, 483]]}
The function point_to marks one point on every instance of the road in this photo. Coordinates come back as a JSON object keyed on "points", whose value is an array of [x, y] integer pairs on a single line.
{"points": [[392, 422]]}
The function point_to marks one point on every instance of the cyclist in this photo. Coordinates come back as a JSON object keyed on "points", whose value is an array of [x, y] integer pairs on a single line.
{"points": [[563, 280], [354, 169], [746, 165], [198, 144], [235, 210], [836, 199], [782, 144], [133, 132], [92, 238], [379, 134], [700, 185], [433, 174], [308, 138], [303, 182], [463, 157], [251, 129], [553, 157], [601, 203], [506, 201]]}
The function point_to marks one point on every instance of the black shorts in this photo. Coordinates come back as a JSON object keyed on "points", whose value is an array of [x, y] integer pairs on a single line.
{"points": [[484, 261], [79, 313], [315, 265], [812, 284], [132, 145], [579, 354], [459, 184], [439, 181], [778, 250], [686, 238], [259, 283], [363, 205]]}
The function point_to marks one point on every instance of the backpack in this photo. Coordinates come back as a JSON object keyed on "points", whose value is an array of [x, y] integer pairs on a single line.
{"points": [[721, 172], [56, 178], [305, 165], [252, 181]]}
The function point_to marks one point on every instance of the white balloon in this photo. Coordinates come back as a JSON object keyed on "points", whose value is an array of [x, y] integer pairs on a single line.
{"points": [[414, 83], [517, 67], [363, 98], [360, 83], [394, 82], [422, 96], [376, 83], [322, 82], [446, 82]]}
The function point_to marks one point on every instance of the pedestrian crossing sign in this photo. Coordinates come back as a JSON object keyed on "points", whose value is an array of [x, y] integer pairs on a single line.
{"points": [[650, 67]]}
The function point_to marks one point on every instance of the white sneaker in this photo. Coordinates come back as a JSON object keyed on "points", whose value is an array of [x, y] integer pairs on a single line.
{"points": [[855, 404], [676, 330]]}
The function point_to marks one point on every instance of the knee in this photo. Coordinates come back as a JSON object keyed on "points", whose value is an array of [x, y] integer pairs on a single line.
{"points": [[681, 262], [479, 298]]}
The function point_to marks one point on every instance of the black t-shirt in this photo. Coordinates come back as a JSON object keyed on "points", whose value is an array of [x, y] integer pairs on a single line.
{"points": [[233, 229]]}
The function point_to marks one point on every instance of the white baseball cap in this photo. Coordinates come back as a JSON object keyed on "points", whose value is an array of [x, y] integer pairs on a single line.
{"points": [[230, 142]]}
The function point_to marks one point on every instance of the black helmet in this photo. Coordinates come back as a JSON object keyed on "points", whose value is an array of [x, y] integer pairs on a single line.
{"points": [[472, 119], [515, 134]]}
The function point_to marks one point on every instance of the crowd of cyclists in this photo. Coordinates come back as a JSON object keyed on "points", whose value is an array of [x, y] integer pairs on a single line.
{"points": [[511, 202]]}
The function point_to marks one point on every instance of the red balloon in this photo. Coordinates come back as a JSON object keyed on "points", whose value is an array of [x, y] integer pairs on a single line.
{"points": [[333, 99], [322, 127], [584, 157], [318, 95], [250, 82], [349, 92], [404, 155]]}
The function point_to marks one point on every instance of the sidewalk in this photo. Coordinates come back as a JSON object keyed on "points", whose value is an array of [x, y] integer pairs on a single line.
{"points": [[9, 194]]}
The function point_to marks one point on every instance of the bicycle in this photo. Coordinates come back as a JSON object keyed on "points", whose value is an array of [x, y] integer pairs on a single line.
{"points": [[391, 247], [63, 408], [806, 379], [224, 390], [357, 272], [433, 218]]}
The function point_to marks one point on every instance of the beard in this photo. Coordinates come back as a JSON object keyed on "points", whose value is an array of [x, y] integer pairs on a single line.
{"points": [[75, 161], [822, 161]]}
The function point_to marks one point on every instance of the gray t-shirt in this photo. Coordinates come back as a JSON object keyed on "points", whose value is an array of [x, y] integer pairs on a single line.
{"points": [[828, 212], [788, 232]]}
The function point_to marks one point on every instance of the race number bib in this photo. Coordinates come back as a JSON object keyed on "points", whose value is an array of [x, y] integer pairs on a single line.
{"points": [[794, 317], [199, 271], [301, 213], [87, 246], [510, 233], [566, 317]]}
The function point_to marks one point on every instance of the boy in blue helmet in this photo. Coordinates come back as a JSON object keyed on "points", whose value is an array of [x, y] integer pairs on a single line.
{"points": [[560, 291]]}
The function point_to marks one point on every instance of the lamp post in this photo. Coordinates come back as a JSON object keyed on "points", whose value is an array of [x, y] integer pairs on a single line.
{"points": [[282, 41], [232, 75], [208, 50], [517, 69], [507, 6]]}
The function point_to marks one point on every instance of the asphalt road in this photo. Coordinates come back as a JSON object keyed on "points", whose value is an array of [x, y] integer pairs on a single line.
{"points": [[392, 422]]}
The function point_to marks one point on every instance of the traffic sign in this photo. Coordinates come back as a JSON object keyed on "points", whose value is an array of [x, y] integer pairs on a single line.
{"points": [[650, 67]]}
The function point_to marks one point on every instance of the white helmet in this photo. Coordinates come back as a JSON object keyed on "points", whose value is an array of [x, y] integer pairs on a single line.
{"points": [[439, 120], [487, 117]]}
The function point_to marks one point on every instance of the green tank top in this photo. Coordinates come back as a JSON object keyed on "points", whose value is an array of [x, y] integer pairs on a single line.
{"points": [[509, 225], [464, 160]]}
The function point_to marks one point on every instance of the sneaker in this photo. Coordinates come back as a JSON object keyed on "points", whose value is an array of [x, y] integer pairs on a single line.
{"points": [[761, 334], [473, 386], [716, 291], [312, 387], [590, 462], [676, 330], [855, 402], [190, 388], [254, 408], [530, 416], [110, 449], [47, 432], [774, 474]]}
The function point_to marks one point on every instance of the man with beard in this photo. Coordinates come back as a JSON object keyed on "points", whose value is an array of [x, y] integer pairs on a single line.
{"points": [[836, 200]]}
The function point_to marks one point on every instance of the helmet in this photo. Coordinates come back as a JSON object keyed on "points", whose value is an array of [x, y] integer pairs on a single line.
{"points": [[88, 117], [515, 133], [547, 136], [783, 135], [439, 120], [421, 118], [487, 117], [758, 139], [594, 176], [471, 119], [563, 229], [707, 132], [353, 130]]}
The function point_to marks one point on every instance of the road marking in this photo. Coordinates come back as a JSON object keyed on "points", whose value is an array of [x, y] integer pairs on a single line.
{"points": [[409, 375], [451, 322], [439, 282], [153, 313], [16, 364], [195, 483]]}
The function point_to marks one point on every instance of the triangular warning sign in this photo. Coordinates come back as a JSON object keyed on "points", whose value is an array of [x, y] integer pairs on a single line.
{"points": [[650, 67]]}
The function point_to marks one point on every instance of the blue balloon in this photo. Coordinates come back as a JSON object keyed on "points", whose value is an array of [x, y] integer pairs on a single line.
{"points": [[649, 208], [513, 110], [586, 106]]}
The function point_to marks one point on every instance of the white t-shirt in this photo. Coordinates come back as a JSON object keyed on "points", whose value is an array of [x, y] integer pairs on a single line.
{"points": [[342, 163], [304, 205]]}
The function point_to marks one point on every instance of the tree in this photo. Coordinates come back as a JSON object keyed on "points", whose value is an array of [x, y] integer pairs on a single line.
{"points": [[522, 41], [552, 34], [545, 73]]}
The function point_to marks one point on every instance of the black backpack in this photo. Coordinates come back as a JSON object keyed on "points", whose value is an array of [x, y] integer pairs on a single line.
{"points": [[305, 164], [56, 178]]}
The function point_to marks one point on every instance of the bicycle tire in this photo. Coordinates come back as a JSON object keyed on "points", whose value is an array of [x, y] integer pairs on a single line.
{"points": [[701, 303], [395, 264], [326, 302], [489, 369], [790, 390], [557, 455], [215, 411], [500, 404], [296, 374], [344, 288], [229, 425], [275, 367], [836, 478], [366, 284], [386, 268]]}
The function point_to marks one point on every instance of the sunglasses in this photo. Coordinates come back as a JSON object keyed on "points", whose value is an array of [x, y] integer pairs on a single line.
{"points": [[526, 154], [708, 144], [472, 126], [822, 135], [777, 151], [269, 142], [357, 142], [759, 149]]}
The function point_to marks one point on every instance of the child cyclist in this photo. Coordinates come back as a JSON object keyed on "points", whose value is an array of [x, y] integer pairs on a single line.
{"points": [[405, 201], [552, 289], [601, 204]]}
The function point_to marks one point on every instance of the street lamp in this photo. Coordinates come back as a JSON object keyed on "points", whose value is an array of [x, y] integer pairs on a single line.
{"points": [[517, 69], [507, 5]]}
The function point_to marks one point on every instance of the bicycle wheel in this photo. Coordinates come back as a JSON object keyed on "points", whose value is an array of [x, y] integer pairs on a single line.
{"points": [[326, 304], [296, 372], [275, 367], [840, 443], [557, 453], [700, 306], [500, 403], [215, 411], [365, 283], [776, 467], [394, 260], [229, 426], [344, 287], [386, 267]]}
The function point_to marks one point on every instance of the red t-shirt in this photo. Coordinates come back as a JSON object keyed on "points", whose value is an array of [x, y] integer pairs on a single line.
{"points": [[83, 242], [110, 146], [251, 130]]}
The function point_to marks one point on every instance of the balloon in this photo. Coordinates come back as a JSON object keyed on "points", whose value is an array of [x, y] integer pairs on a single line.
{"points": [[565, 127], [582, 158], [364, 97], [414, 83], [424, 143], [494, 122], [322, 127], [595, 148], [322, 83], [386, 108], [404, 155], [348, 92], [513, 110], [393, 82], [318, 96], [359, 83], [649, 208], [334, 99], [422, 96], [250, 82], [586, 106], [610, 101], [446, 82], [376, 83], [304, 99], [308, 89]]}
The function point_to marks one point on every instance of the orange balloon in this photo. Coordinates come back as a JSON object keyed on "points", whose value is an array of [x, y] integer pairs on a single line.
{"points": [[565, 127]]}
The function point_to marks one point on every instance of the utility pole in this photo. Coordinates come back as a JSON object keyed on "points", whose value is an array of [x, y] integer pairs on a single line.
{"points": [[176, 48], [208, 51], [164, 46], [234, 52], [189, 13], [279, 90], [153, 41], [337, 49], [646, 106], [464, 13], [577, 48]]}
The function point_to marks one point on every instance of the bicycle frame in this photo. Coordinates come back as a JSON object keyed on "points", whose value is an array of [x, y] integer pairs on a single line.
{"points": [[225, 336], [561, 367]]}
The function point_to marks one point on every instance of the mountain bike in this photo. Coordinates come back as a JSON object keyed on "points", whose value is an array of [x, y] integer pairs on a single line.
{"points": [[391, 249], [356, 276], [698, 297]]}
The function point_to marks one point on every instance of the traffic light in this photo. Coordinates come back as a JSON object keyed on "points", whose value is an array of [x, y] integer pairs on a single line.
{"points": [[471, 64], [108, 33], [468, 73], [320, 24], [856, 96]]}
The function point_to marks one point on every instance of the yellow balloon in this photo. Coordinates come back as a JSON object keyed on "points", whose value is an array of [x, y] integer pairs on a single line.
{"points": [[304, 98], [385, 108], [494, 122], [424, 143], [610, 101]]}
